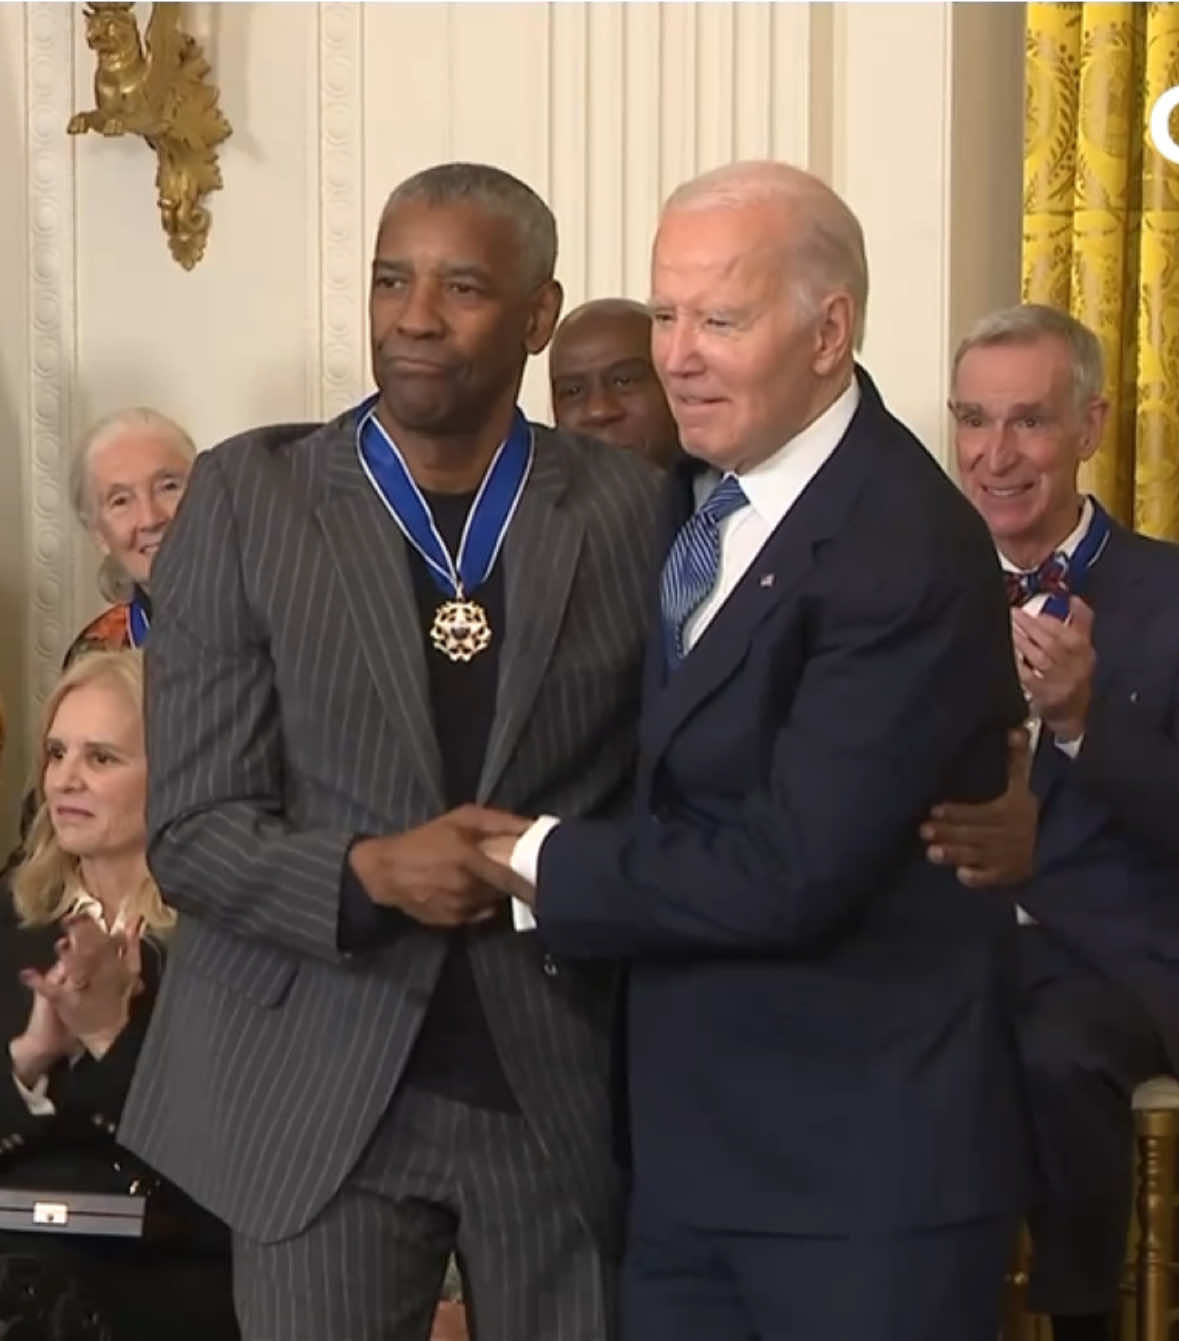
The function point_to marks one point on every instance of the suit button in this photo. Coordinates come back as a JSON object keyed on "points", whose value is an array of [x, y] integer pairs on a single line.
{"points": [[549, 964]]}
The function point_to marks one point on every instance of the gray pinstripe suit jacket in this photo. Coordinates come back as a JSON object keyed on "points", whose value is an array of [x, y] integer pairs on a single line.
{"points": [[287, 711]]}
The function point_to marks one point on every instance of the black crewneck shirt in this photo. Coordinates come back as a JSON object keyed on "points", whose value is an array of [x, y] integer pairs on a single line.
{"points": [[455, 1054]]}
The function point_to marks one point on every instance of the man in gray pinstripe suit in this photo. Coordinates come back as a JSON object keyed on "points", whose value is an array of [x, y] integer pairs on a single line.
{"points": [[355, 1060]]}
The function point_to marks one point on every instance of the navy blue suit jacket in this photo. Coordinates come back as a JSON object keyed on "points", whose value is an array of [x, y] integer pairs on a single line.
{"points": [[818, 1031], [1107, 855]]}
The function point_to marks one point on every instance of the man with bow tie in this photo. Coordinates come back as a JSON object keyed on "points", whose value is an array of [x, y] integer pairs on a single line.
{"points": [[1096, 635]]}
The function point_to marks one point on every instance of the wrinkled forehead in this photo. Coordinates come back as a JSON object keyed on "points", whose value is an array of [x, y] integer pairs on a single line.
{"points": [[447, 235], [705, 253], [1012, 374], [600, 341], [98, 709], [134, 455]]}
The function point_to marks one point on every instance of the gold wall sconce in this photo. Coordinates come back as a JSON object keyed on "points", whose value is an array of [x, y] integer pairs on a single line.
{"points": [[156, 88]]}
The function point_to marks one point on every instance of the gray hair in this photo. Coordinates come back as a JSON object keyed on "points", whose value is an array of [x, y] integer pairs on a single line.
{"points": [[498, 193], [113, 583], [1029, 322], [829, 249]]}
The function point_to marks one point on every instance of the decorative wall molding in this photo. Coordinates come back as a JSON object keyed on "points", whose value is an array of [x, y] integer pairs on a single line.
{"points": [[49, 66], [341, 208], [642, 97]]}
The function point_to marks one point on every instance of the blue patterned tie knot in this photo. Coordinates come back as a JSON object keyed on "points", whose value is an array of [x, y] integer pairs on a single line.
{"points": [[693, 562]]}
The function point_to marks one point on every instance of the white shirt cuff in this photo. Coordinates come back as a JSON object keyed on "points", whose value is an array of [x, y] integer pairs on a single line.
{"points": [[37, 1099], [1070, 747], [525, 861]]}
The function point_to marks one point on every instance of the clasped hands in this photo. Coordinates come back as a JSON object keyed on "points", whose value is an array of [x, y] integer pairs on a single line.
{"points": [[446, 873], [83, 1001], [456, 869]]}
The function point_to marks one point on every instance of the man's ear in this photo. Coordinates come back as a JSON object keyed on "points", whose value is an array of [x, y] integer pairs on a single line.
{"points": [[1093, 418], [546, 311], [834, 332]]}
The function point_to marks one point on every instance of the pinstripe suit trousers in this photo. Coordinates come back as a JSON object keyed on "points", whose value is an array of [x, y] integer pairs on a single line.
{"points": [[438, 1177]]}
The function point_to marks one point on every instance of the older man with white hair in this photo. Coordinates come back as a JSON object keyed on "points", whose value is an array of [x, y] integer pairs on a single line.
{"points": [[823, 1099], [1097, 647]]}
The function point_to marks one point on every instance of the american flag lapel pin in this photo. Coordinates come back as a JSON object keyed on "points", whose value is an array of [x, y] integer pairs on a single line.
{"points": [[767, 580]]}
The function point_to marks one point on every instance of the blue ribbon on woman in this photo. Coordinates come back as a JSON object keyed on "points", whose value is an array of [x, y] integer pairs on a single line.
{"points": [[138, 621]]}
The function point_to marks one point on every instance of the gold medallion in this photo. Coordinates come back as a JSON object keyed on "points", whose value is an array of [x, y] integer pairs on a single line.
{"points": [[460, 630]]}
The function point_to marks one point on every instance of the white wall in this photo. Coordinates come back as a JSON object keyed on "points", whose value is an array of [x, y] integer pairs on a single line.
{"points": [[910, 110]]}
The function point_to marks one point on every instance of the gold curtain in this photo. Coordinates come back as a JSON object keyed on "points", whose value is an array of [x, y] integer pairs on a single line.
{"points": [[1101, 230]]}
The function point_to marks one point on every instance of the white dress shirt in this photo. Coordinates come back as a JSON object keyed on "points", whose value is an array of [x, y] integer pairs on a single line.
{"points": [[1034, 607], [772, 487]]}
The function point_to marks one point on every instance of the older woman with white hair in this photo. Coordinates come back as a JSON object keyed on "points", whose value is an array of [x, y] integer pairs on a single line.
{"points": [[126, 480]]}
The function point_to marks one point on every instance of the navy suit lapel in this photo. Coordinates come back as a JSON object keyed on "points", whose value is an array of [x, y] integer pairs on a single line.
{"points": [[369, 553], [1112, 592], [771, 581]]}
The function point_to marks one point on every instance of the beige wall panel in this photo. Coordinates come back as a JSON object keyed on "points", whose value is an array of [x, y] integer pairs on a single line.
{"points": [[892, 167], [15, 353], [928, 154], [341, 245], [51, 269]]}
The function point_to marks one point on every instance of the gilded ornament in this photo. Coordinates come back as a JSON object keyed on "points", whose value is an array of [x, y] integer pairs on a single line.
{"points": [[156, 88]]}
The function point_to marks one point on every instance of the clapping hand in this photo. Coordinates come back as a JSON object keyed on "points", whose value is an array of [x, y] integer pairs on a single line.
{"points": [[91, 985], [43, 1044], [1056, 661]]}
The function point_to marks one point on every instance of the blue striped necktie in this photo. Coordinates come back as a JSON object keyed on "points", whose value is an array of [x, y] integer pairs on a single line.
{"points": [[693, 562]]}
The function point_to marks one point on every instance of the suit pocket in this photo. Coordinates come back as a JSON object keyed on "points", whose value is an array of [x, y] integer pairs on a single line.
{"points": [[259, 973]]}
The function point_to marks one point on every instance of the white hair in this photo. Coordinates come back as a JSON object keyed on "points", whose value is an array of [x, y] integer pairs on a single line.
{"points": [[1028, 322], [112, 581], [827, 251]]}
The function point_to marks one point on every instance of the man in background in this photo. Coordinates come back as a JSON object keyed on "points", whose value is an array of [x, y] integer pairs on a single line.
{"points": [[604, 384], [1096, 633]]}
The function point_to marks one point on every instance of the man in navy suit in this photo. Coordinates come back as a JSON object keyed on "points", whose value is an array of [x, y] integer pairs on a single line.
{"points": [[1096, 630], [827, 1137]]}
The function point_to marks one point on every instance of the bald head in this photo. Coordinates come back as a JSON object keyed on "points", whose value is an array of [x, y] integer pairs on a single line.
{"points": [[821, 235], [603, 382], [758, 289]]}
